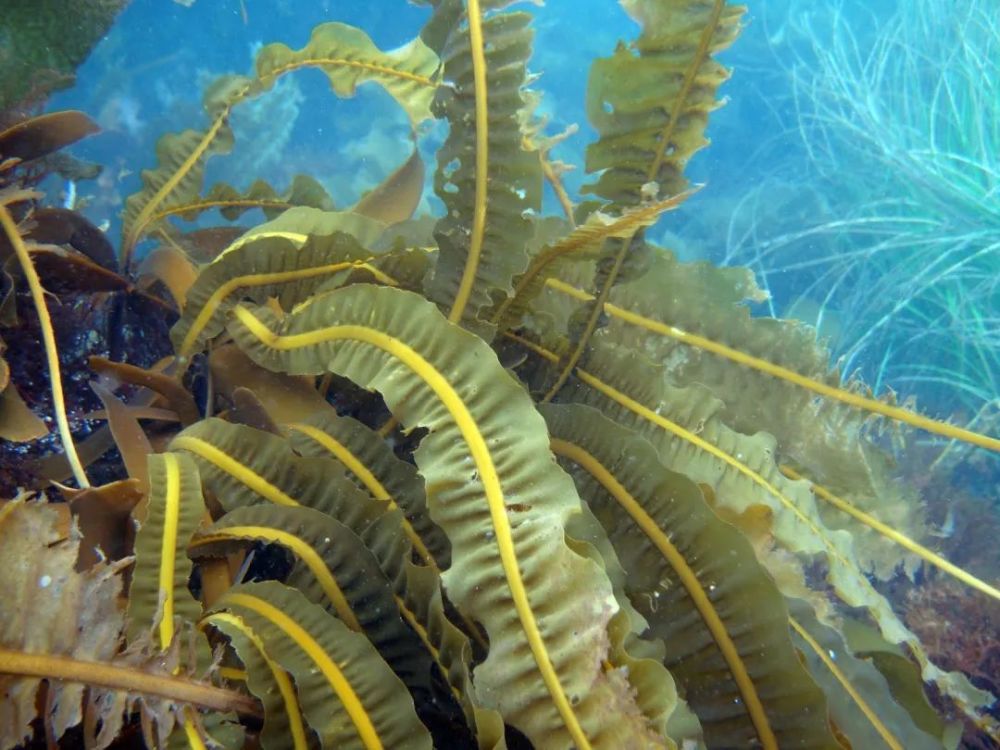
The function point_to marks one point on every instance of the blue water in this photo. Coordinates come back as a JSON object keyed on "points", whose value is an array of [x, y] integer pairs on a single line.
{"points": [[146, 78]]}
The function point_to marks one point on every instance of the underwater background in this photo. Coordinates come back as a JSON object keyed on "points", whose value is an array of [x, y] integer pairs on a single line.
{"points": [[855, 168], [807, 180]]}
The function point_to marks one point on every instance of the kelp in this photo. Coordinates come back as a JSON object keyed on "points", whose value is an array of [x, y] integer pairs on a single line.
{"points": [[485, 177], [650, 101], [159, 591], [396, 198], [650, 106], [854, 685], [473, 466], [40, 586], [657, 558], [722, 620], [232, 203], [261, 266], [741, 471], [333, 568], [348, 58], [40, 136], [374, 468], [181, 161], [332, 668]]}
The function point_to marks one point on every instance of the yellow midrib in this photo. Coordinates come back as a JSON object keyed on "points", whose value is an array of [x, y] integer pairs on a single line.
{"points": [[234, 468], [783, 373], [483, 462], [168, 546], [688, 579], [872, 717], [171, 183], [755, 477], [385, 71], [482, 163], [343, 454], [335, 678], [895, 536], [211, 305], [303, 550], [281, 678]]}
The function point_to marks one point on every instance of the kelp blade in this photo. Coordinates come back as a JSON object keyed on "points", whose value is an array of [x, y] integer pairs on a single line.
{"points": [[721, 617], [494, 490], [349, 696]]}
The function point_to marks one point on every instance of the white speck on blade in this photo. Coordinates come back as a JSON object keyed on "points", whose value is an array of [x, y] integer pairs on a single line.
{"points": [[44, 581]]}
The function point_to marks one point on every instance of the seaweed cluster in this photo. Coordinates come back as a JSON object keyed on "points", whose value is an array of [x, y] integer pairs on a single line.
{"points": [[484, 480]]}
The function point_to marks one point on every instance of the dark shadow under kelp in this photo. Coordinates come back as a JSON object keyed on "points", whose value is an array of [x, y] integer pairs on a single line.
{"points": [[514, 480]]}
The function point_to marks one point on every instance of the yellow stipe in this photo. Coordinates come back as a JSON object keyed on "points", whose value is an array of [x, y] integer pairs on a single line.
{"points": [[343, 454], [329, 669], [191, 732], [233, 674], [483, 462], [281, 678], [666, 137], [49, 340], [383, 70], [168, 546], [234, 468], [688, 579], [368, 479], [171, 183], [783, 373], [297, 238], [482, 163], [388, 426], [421, 631], [901, 539], [532, 346], [260, 279], [675, 429], [205, 205], [312, 559], [872, 717], [579, 240], [665, 140]]}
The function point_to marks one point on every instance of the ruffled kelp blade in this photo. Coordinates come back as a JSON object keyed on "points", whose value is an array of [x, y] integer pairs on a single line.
{"points": [[488, 181], [232, 203], [376, 469], [720, 616], [243, 466], [650, 100], [178, 177], [348, 57], [333, 568], [347, 694], [861, 703], [650, 103], [159, 591], [684, 426], [495, 491], [271, 262]]}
